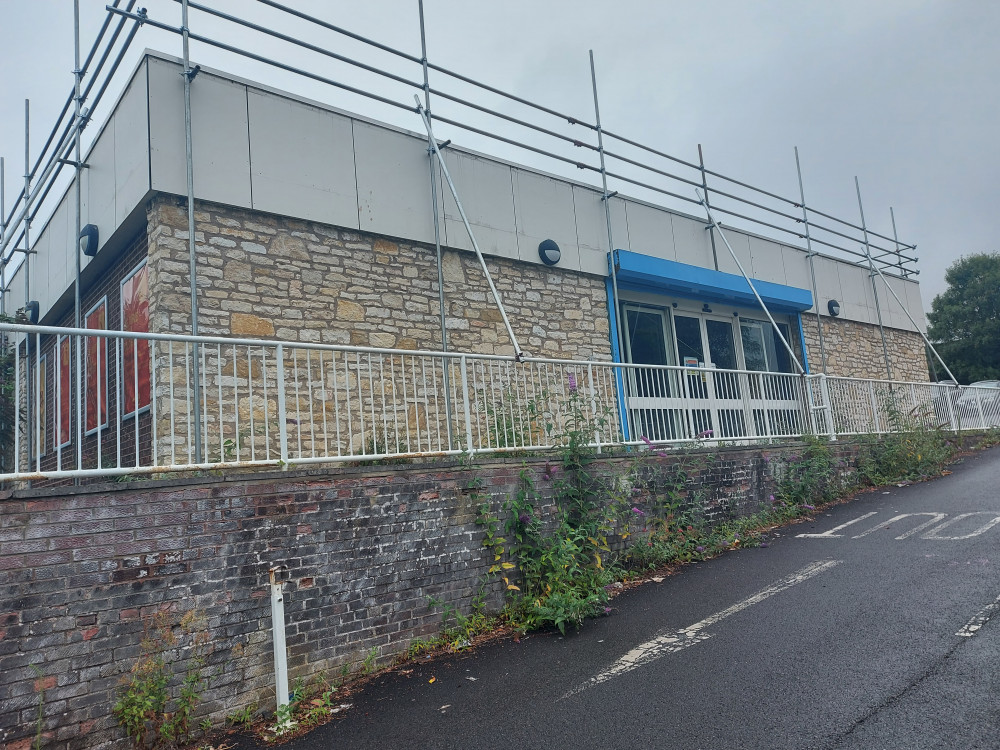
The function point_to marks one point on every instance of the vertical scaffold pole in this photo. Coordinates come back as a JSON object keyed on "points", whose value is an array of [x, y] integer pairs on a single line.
{"points": [[810, 254], [606, 199], [871, 268], [27, 274], [78, 151], [437, 225], [189, 75]]}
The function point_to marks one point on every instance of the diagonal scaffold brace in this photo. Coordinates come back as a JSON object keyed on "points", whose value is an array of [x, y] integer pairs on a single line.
{"points": [[433, 145]]}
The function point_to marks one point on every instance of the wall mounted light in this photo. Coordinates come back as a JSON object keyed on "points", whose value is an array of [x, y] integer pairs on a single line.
{"points": [[706, 308], [834, 307], [549, 252], [88, 240], [30, 312]]}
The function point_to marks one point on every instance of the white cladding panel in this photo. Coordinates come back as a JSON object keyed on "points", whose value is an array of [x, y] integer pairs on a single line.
{"points": [[393, 183], [828, 284], [692, 242], [486, 191], [768, 262], [592, 228], [60, 271], [545, 211], [796, 269], [650, 231], [102, 203], [915, 304], [220, 135], [856, 303], [131, 139], [896, 318], [302, 160], [741, 247]]}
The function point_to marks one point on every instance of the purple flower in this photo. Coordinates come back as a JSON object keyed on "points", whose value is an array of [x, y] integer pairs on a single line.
{"points": [[705, 434], [724, 543], [699, 549], [638, 512], [549, 471], [809, 507], [647, 441], [524, 518], [572, 382], [607, 610]]}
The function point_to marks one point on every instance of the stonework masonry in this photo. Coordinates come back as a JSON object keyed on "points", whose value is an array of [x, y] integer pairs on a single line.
{"points": [[264, 276], [855, 350]]}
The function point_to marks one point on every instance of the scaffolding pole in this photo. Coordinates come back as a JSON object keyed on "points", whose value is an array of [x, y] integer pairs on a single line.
{"points": [[78, 153], [810, 255], [704, 186], [716, 225], [189, 75], [871, 267], [432, 171], [606, 199], [27, 269], [518, 354], [927, 341]]}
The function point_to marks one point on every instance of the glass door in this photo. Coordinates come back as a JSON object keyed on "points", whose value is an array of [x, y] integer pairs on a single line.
{"points": [[650, 391]]}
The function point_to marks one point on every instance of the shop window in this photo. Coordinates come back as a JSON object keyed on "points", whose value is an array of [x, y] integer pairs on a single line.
{"points": [[135, 373], [96, 364]]}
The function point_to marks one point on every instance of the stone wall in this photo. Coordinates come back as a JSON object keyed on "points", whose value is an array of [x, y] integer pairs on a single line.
{"points": [[83, 570], [855, 350], [268, 276]]}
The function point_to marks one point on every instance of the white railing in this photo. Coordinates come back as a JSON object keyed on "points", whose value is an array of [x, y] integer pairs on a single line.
{"points": [[131, 409]]}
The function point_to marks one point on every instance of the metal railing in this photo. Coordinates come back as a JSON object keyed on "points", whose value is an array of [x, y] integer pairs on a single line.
{"points": [[279, 403]]}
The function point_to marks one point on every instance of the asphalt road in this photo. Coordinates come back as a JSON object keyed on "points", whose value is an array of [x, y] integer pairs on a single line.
{"points": [[873, 635]]}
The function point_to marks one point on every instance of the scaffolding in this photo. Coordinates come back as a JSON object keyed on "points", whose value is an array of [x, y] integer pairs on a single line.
{"points": [[544, 137]]}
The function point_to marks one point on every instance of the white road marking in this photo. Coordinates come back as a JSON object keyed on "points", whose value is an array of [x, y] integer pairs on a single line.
{"points": [[937, 518], [933, 533], [979, 619], [679, 640], [831, 535]]}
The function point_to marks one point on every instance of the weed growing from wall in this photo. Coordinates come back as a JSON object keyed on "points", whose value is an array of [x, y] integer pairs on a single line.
{"points": [[155, 711]]}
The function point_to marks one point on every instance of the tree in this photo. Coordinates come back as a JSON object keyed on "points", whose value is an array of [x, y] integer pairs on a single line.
{"points": [[965, 319]]}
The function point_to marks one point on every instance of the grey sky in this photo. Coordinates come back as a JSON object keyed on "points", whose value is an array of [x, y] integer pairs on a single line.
{"points": [[898, 92]]}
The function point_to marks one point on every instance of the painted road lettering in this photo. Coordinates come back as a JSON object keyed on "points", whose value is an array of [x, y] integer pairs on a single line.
{"points": [[678, 640], [932, 528]]}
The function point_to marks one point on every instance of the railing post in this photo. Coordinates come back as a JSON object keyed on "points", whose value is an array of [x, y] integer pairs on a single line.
{"points": [[824, 388], [871, 392], [810, 402], [951, 411], [463, 371], [282, 421], [593, 404], [979, 406]]}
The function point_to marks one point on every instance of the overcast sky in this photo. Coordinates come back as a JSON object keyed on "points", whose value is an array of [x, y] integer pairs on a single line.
{"points": [[901, 93]]}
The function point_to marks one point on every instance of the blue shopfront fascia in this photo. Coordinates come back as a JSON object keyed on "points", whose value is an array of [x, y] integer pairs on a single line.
{"points": [[643, 273]]}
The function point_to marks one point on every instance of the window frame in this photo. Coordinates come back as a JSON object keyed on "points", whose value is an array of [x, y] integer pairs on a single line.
{"points": [[58, 414], [123, 414], [86, 372]]}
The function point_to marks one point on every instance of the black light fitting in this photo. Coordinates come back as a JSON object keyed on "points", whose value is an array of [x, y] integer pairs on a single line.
{"points": [[88, 240], [833, 307], [549, 252]]}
